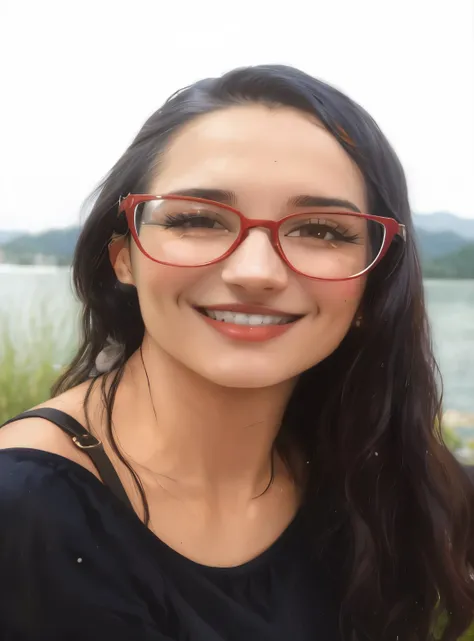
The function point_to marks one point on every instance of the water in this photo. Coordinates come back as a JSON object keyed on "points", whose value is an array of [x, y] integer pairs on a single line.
{"points": [[31, 294], [451, 312], [36, 300]]}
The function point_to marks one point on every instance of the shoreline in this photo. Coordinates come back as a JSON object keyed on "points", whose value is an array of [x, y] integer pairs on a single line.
{"points": [[458, 420], [12, 268]]}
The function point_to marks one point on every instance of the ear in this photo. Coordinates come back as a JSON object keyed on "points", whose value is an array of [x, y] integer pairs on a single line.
{"points": [[121, 262]]}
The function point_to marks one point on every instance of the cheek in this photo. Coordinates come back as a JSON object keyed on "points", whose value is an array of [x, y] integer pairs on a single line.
{"points": [[159, 285], [155, 283], [341, 299]]}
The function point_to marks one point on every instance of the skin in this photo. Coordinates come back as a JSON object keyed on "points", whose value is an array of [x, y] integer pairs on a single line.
{"points": [[205, 456]]}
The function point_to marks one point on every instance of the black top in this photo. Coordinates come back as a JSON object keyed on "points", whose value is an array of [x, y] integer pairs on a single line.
{"points": [[77, 563]]}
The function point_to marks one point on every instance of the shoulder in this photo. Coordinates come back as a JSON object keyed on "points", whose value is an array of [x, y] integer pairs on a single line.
{"points": [[62, 549], [52, 511], [40, 491], [45, 501], [40, 434]]}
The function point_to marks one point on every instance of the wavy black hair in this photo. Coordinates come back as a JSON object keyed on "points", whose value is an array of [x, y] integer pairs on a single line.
{"points": [[388, 505]]}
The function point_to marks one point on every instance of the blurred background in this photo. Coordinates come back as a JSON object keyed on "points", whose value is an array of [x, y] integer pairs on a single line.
{"points": [[79, 79]]}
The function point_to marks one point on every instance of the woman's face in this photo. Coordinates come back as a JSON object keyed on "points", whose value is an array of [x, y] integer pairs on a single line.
{"points": [[265, 158]]}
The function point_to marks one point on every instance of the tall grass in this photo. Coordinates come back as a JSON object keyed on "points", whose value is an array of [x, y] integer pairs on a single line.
{"points": [[32, 356]]}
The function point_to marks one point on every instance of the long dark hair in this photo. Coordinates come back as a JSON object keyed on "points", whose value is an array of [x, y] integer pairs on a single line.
{"points": [[390, 505]]}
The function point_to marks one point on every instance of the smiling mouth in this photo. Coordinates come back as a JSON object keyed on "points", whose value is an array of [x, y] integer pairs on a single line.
{"points": [[254, 320]]}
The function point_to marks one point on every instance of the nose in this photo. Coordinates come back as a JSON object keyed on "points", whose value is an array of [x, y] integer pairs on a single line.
{"points": [[255, 265]]}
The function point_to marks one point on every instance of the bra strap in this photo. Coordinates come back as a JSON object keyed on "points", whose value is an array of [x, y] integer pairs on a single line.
{"points": [[85, 441]]}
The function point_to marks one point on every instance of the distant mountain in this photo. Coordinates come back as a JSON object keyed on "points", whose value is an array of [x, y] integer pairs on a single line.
{"points": [[56, 243], [6, 236], [444, 222], [459, 264], [436, 244], [446, 244]]}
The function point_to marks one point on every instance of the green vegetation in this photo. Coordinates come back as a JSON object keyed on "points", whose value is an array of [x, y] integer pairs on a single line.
{"points": [[451, 439], [433, 245], [469, 635], [459, 264], [28, 370], [441, 625], [56, 245]]}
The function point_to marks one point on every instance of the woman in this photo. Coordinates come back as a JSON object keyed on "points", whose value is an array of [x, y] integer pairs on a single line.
{"points": [[244, 446]]}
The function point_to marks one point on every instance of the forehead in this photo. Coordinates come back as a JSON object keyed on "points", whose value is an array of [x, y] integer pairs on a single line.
{"points": [[259, 152]]}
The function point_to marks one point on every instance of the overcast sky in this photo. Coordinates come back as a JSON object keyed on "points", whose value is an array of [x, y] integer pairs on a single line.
{"points": [[79, 78]]}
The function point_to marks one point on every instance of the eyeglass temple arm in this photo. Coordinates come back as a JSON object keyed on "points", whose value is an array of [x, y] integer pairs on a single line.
{"points": [[402, 231]]}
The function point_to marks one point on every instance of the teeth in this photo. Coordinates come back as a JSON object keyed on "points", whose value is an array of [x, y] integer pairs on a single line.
{"points": [[248, 319]]}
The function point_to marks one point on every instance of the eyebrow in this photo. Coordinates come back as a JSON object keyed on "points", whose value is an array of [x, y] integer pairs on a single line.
{"points": [[322, 201], [230, 198], [217, 195]]}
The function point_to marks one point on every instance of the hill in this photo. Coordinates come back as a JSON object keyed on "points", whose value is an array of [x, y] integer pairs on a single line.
{"points": [[56, 244], [6, 236], [445, 222], [436, 244], [446, 245], [459, 264]]}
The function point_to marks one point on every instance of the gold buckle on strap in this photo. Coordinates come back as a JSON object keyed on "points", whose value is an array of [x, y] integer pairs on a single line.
{"points": [[86, 442]]}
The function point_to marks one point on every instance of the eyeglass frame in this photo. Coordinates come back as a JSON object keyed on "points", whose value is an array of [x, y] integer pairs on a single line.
{"points": [[128, 205]]}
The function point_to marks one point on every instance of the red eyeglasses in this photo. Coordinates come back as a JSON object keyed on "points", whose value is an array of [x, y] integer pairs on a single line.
{"points": [[183, 231]]}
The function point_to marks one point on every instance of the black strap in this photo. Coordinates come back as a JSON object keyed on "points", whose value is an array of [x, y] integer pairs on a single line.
{"points": [[85, 441]]}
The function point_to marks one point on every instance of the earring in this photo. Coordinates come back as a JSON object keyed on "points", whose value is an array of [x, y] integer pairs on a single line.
{"points": [[110, 354], [358, 321]]}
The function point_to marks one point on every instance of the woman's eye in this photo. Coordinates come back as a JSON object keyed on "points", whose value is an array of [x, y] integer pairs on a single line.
{"points": [[191, 221], [324, 232], [315, 231], [200, 221]]}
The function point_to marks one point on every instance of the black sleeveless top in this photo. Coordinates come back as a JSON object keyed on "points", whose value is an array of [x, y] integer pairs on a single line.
{"points": [[76, 563]]}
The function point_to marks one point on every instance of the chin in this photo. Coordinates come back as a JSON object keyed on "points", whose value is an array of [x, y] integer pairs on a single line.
{"points": [[242, 380], [247, 374]]}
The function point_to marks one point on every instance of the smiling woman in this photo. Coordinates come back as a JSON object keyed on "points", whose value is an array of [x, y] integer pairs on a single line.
{"points": [[255, 389]]}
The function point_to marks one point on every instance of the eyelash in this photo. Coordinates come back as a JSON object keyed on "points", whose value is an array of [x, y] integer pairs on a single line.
{"points": [[175, 220], [338, 231]]}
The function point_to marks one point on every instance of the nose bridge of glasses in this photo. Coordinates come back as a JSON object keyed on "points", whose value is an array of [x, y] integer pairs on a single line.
{"points": [[270, 227]]}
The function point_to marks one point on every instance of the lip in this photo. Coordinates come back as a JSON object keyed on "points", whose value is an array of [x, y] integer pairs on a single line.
{"points": [[248, 333], [248, 309]]}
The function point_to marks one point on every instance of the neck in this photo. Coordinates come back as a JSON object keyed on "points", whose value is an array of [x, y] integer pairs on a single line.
{"points": [[194, 432]]}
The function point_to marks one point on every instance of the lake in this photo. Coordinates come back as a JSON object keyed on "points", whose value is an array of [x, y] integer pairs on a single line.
{"points": [[31, 295]]}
